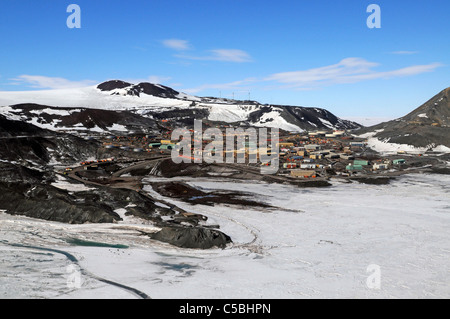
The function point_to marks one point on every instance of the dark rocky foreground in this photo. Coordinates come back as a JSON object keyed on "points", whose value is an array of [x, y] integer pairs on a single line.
{"points": [[49, 203], [193, 237], [26, 178], [195, 196], [28, 192]]}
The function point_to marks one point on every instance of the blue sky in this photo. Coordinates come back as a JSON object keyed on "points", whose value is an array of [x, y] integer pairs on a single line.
{"points": [[308, 53]]}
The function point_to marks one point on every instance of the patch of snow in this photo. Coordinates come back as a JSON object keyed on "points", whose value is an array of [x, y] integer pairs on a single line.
{"points": [[118, 127], [96, 129], [370, 134], [53, 161], [442, 149], [274, 119], [368, 121], [8, 112], [52, 112], [227, 113], [188, 97], [121, 212], [326, 123], [161, 205], [47, 126], [63, 183], [385, 147]]}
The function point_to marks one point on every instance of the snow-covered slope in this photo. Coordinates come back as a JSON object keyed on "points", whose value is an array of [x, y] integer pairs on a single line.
{"points": [[153, 100], [88, 97], [384, 146], [78, 119]]}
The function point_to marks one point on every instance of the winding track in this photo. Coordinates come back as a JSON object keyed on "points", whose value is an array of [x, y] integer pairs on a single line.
{"points": [[252, 231], [74, 260], [144, 163], [139, 164]]}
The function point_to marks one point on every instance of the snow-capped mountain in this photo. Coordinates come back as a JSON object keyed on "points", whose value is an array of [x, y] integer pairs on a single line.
{"points": [[425, 128], [121, 106], [117, 87]]}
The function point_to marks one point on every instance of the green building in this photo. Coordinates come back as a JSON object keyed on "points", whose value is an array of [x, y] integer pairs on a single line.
{"points": [[399, 161], [167, 147], [354, 168]]}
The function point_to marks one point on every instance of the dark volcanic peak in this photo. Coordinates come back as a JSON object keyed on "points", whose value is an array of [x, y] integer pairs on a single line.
{"points": [[138, 89], [153, 89], [426, 126], [435, 110], [113, 85]]}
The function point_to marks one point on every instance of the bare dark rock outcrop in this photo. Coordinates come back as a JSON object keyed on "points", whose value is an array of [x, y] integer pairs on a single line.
{"points": [[192, 237], [112, 85], [138, 89], [195, 196], [49, 203]]}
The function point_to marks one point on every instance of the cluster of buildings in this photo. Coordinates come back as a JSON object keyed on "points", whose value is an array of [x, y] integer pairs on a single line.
{"points": [[137, 143], [326, 153], [308, 155]]}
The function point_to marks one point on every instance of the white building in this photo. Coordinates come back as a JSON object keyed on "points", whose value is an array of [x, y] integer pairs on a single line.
{"points": [[312, 147], [380, 166]]}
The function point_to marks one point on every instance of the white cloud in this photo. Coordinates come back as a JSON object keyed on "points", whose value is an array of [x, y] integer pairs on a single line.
{"points": [[156, 79], [231, 55], [405, 52], [221, 86], [349, 70], [176, 44], [54, 83], [224, 55], [407, 71], [45, 82]]}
